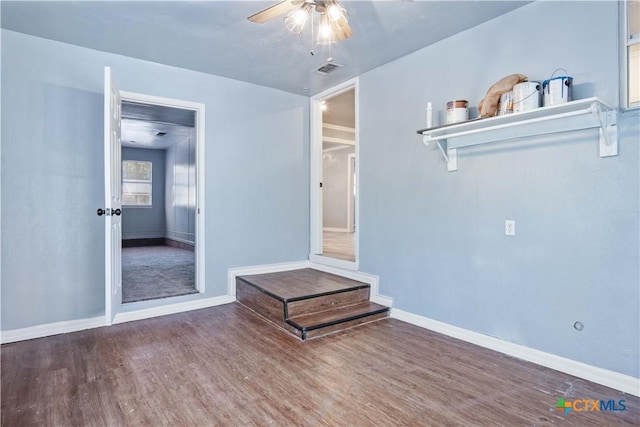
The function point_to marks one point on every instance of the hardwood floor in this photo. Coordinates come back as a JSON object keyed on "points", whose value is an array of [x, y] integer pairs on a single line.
{"points": [[226, 366], [296, 284], [339, 245]]}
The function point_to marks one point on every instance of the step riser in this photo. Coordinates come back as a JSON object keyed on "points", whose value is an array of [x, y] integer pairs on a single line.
{"points": [[317, 333], [328, 330], [327, 302], [260, 302]]}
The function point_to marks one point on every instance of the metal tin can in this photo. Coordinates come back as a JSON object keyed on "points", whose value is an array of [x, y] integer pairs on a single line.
{"points": [[457, 111], [527, 96], [557, 90]]}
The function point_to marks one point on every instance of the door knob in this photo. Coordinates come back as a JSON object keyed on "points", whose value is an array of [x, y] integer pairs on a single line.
{"points": [[109, 212]]}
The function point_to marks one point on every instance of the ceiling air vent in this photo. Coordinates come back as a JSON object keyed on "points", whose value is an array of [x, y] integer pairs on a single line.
{"points": [[327, 68]]}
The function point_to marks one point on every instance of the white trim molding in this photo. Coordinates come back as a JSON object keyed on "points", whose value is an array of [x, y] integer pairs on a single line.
{"points": [[615, 380], [180, 307], [333, 262], [49, 329], [336, 230]]}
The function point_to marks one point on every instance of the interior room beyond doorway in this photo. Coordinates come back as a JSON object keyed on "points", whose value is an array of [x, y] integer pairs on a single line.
{"points": [[338, 176], [159, 202]]}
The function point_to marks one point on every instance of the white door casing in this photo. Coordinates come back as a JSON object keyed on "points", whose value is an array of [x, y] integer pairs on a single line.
{"points": [[113, 197], [315, 254]]}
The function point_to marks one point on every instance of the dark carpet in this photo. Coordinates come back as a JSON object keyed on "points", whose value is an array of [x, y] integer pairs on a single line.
{"points": [[152, 272]]}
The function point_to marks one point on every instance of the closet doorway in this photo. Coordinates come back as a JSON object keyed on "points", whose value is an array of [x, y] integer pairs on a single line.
{"points": [[159, 190]]}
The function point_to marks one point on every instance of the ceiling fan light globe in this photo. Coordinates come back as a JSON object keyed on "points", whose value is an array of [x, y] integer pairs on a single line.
{"points": [[296, 19], [325, 31], [335, 12]]}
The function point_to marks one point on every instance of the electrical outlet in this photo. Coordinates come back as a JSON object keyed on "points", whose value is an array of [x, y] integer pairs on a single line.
{"points": [[509, 227]]}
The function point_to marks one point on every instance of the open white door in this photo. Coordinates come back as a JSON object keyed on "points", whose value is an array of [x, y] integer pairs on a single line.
{"points": [[113, 197]]}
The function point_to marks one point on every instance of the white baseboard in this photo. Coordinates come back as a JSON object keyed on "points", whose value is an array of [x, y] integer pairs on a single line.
{"points": [[147, 313], [260, 269], [56, 328], [615, 380], [333, 262], [49, 329], [336, 230]]}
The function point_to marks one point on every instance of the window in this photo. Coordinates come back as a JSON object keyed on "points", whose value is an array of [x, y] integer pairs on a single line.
{"points": [[136, 183], [631, 55]]}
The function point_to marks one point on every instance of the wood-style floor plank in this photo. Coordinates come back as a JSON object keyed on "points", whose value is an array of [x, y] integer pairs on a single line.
{"points": [[226, 366], [304, 282], [339, 245]]}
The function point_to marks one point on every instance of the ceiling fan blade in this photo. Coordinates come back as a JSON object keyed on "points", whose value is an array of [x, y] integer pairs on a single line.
{"points": [[342, 33], [274, 11]]}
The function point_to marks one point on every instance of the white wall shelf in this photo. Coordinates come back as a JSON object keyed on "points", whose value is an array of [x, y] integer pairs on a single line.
{"points": [[586, 113]]}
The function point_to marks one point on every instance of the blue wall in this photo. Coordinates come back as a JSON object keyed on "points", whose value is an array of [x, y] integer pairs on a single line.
{"points": [[257, 175], [436, 238], [147, 222]]}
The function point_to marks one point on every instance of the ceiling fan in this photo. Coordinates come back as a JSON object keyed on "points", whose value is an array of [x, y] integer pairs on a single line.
{"points": [[333, 24]]}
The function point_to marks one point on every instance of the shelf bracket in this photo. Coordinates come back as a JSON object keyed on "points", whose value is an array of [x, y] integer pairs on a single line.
{"points": [[452, 159], [608, 131], [450, 155]]}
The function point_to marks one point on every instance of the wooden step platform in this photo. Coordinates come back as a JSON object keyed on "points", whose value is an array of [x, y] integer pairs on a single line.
{"points": [[309, 303]]}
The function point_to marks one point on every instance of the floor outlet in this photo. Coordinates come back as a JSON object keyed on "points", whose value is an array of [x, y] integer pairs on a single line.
{"points": [[509, 227]]}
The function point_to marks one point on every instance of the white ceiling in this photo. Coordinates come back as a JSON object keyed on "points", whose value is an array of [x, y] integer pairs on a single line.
{"points": [[155, 126], [145, 134], [216, 38]]}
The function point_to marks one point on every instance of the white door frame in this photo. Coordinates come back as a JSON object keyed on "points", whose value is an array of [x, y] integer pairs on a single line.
{"points": [[199, 110], [315, 108]]}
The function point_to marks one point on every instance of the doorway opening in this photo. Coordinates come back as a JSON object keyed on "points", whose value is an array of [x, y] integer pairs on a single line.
{"points": [[158, 201], [155, 117], [334, 168]]}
